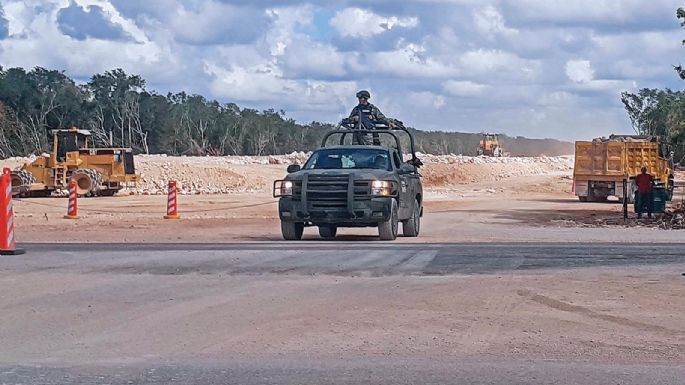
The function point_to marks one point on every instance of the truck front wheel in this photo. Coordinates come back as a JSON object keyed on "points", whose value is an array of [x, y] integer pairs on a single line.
{"points": [[292, 231], [328, 232], [387, 230]]}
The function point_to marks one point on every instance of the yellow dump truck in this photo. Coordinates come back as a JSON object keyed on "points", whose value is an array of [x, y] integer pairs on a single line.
{"points": [[602, 165]]}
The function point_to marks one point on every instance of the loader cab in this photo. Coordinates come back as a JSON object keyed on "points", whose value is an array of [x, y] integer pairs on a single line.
{"points": [[64, 141]]}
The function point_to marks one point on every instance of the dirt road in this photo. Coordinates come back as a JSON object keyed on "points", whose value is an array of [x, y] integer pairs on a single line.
{"points": [[126, 307]]}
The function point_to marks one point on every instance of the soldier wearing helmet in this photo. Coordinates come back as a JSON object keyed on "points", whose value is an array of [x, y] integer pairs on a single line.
{"points": [[365, 114]]}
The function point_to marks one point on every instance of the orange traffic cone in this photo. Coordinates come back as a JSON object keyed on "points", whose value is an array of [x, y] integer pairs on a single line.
{"points": [[171, 203], [7, 246], [72, 209]]}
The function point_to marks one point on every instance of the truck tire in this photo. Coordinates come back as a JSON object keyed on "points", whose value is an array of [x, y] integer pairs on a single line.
{"points": [[412, 226], [387, 230], [292, 231], [328, 232]]}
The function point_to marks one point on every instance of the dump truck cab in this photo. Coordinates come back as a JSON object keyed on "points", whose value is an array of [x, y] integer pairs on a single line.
{"points": [[353, 185]]}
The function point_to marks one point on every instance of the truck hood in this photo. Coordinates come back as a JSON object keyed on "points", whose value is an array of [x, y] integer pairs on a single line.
{"points": [[358, 174]]}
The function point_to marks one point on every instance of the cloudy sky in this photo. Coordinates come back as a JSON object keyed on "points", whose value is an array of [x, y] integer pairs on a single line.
{"points": [[538, 68]]}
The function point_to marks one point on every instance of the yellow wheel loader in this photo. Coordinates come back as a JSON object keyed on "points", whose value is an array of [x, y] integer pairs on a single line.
{"points": [[489, 146], [97, 171]]}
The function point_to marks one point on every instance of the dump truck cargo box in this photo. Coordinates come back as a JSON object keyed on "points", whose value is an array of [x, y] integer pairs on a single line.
{"points": [[602, 166]]}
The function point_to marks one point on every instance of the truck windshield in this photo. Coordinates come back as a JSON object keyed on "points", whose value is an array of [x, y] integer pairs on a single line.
{"points": [[348, 158]]}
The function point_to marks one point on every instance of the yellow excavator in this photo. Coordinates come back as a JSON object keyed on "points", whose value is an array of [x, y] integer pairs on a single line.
{"points": [[97, 171], [489, 146]]}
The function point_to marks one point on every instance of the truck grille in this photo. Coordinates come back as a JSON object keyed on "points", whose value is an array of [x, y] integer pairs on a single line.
{"points": [[330, 191]]}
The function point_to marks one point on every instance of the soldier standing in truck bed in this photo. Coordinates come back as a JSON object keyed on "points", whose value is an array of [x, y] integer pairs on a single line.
{"points": [[365, 115]]}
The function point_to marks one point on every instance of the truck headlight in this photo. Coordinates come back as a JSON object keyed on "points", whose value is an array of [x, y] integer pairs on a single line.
{"points": [[381, 188], [283, 188]]}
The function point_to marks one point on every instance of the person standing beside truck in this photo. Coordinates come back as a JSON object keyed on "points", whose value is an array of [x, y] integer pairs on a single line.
{"points": [[644, 197]]}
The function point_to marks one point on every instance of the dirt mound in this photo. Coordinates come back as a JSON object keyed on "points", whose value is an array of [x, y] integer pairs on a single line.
{"points": [[449, 170], [228, 174]]}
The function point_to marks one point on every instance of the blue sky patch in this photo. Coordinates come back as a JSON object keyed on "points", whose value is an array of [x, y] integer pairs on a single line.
{"points": [[3, 24], [90, 22]]}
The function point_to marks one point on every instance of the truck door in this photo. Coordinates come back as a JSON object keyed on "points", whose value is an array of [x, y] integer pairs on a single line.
{"points": [[405, 188]]}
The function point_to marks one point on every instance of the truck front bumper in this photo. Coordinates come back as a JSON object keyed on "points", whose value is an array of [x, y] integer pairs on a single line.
{"points": [[361, 213]]}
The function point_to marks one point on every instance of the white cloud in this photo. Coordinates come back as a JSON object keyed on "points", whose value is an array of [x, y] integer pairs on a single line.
{"points": [[357, 22], [464, 88], [528, 67], [490, 22], [266, 83], [406, 60], [580, 71], [36, 45], [498, 63], [426, 99], [311, 59]]}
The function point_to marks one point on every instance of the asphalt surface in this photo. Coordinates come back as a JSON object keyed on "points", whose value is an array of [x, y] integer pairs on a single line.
{"points": [[334, 258], [370, 370], [344, 259]]}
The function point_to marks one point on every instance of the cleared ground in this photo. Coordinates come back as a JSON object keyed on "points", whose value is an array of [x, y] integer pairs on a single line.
{"points": [[532, 208], [236, 305]]}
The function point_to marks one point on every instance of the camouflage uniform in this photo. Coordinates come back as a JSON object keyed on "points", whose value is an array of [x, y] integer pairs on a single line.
{"points": [[364, 116]]}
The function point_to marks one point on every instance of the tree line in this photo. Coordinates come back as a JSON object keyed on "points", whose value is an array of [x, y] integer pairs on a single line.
{"points": [[119, 111], [660, 112]]}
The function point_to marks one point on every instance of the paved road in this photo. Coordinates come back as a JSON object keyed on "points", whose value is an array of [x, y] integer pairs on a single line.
{"points": [[326, 259], [334, 258], [370, 370]]}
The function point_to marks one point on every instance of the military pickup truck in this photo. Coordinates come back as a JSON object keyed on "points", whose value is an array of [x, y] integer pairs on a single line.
{"points": [[353, 185]]}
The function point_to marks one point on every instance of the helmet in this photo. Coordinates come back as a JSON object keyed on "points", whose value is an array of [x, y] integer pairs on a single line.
{"points": [[364, 94]]}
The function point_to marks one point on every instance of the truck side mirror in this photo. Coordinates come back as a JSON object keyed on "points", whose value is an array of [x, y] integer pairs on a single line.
{"points": [[406, 168], [294, 168]]}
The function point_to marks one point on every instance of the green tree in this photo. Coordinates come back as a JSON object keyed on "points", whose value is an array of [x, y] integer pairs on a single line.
{"points": [[680, 14]]}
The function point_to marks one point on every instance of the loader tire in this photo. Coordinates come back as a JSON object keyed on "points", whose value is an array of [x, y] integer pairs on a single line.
{"points": [[88, 182], [21, 182]]}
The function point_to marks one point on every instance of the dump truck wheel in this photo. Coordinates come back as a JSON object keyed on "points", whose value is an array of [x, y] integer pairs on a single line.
{"points": [[412, 226], [328, 232], [292, 231], [387, 230]]}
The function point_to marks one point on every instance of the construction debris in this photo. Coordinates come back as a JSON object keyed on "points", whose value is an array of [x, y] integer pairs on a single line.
{"points": [[673, 219]]}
